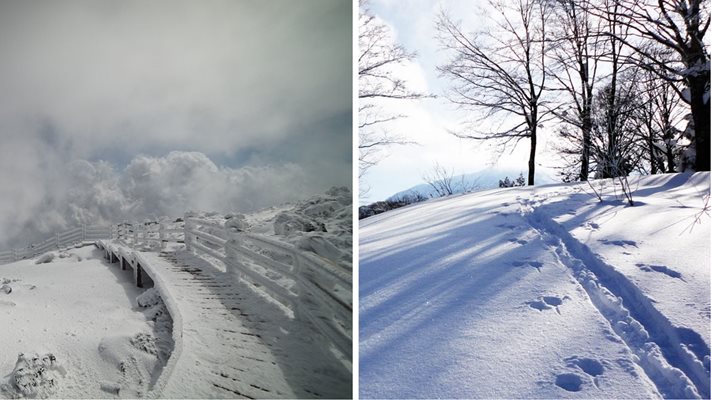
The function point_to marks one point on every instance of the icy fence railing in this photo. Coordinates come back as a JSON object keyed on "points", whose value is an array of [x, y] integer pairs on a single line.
{"points": [[64, 239], [150, 234], [313, 287]]}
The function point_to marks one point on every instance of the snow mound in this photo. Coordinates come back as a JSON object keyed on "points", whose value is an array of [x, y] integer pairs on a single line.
{"points": [[139, 359], [62, 256], [6, 289], [289, 223], [236, 222], [34, 376], [134, 366], [160, 343], [149, 298], [321, 224], [45, 258]]}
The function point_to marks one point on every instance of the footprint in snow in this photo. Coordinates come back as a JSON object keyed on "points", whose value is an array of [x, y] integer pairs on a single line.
{"points": [[620, 243], [535, 264], [590, 366], [569, 381], [547, 303], [592, 226], [519, 241], [660, 268]]}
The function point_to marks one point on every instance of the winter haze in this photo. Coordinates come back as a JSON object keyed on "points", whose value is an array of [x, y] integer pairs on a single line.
{"points": [[126, 110]]}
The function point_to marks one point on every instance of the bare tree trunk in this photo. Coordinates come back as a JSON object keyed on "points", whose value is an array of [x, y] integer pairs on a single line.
{"points": [[700, 114], [652, 158], [532, 159], [587, 143]]}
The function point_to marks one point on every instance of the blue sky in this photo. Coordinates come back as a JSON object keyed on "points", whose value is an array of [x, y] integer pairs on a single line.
{"points": [[413, 25]]}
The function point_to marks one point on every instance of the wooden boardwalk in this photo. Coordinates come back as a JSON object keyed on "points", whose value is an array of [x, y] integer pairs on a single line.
{"points": [[234, 344]]}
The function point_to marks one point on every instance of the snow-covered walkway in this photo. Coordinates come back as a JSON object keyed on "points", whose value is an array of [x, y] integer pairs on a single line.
{"points": [[539, 293], [234, 344]]}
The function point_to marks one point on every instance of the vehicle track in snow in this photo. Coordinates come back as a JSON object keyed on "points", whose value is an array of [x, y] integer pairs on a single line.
{"points": [[676, 359]]}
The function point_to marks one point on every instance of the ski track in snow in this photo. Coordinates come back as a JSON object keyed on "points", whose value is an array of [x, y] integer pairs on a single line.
{"points": [[676, 359]]}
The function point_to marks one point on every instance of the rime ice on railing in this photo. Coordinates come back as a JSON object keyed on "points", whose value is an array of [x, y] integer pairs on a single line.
{"points": [[314, 288], [59, 240]]}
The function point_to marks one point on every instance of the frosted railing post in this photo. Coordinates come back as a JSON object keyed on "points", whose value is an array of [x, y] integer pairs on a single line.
{"points": [[187, 237], [135, 235], [57, 236], [83, 233], [234, 262], [161, 235]]}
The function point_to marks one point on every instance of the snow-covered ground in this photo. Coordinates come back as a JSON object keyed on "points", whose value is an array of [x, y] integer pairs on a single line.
{"points": [[80, 330], [540, 292]]}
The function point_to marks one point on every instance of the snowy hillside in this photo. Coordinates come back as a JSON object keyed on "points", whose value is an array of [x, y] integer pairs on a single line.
{"points": [[475, 181], [540, 292]]}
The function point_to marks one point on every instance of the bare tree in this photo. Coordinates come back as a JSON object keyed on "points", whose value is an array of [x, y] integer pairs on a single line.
{"points": [[680, 26], [376, 82], [576, 53], [501, 72], [660, 113], [442, 181], [616, 150]]}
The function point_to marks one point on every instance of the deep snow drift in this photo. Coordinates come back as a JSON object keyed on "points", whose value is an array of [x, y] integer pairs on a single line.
{"points": [[71, 326], [540, 292]]}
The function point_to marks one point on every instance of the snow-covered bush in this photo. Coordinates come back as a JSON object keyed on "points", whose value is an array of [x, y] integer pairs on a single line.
{"points": [[34, 376], [236, 222]]}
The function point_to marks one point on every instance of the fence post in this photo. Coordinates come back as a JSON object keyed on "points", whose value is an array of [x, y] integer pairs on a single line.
{"points": [[233, 259], [161, 235], [83, 233], [57, 237], [135, 235], [186, 235]]}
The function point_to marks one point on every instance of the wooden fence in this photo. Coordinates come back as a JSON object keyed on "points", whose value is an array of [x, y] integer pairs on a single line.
{"points": [[60, 240], [313, 287]]}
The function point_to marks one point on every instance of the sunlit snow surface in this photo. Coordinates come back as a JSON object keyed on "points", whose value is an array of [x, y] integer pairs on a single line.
{"points": [[539, 293]]}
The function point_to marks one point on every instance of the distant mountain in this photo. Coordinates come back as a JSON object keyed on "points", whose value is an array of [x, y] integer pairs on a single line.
{"points": [[475, 181]]}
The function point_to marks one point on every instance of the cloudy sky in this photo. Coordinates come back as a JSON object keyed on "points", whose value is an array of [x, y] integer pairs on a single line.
{"points": [[412, 23], [255, 97]]}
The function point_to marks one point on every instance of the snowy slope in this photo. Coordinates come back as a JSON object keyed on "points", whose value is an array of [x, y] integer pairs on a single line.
{"points": [[539, 293]]}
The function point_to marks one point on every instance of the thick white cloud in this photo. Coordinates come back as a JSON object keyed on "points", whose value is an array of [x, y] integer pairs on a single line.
{"points": [[148, 187], [262, 86]]}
